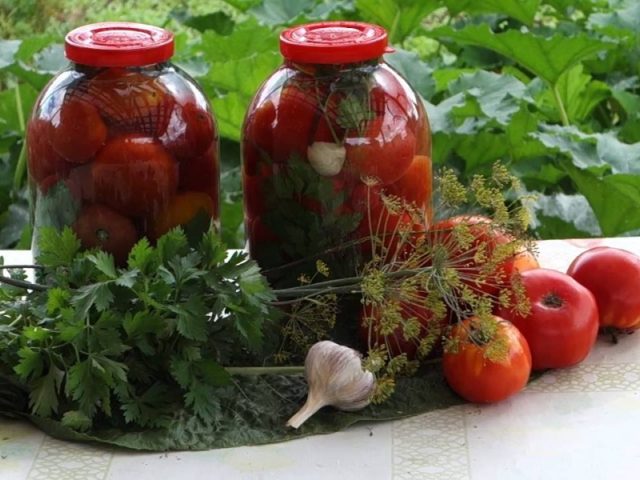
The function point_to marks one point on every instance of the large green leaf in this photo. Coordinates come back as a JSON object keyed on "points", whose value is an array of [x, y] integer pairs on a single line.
{"points": [[630, 102], [256, 410], [615, 199], [548, 58], [624, 21], [498, 96], [219, 22], [229, 110], [417, 72], [569, 7], [236, 67], [280, 12], [564, 216], [8, 50], [596, 150], [399, 17], [580, 94], [522, 10]]}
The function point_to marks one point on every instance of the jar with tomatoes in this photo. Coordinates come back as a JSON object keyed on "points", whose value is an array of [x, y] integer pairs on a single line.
{"points": [[336, 150], [122, 144]]}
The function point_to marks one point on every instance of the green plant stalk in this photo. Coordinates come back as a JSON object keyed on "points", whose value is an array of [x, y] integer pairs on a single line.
{"points": [[563, 111], [256, 371], [21, 165]]}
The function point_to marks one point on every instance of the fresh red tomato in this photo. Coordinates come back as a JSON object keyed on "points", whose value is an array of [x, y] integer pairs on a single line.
{"points": [[134, 175], [132, 102], [477, 377], [384, 151], [77, 131], [395, 341], [396, 231], [98, 226], [200, 173], [414, 186], [190, 132], [182, 209], [613, 276], [43, 161], [485, 236], [563, 323]]}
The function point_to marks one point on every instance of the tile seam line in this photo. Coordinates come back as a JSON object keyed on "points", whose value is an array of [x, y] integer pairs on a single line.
{"points": [[35, 457], [108, 468], [466, 440]]}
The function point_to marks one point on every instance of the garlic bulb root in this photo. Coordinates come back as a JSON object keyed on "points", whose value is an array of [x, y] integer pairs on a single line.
{"points": [[335, 377]]}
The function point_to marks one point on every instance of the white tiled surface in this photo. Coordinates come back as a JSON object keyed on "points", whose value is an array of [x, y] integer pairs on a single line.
{"points": [[579, 423]]}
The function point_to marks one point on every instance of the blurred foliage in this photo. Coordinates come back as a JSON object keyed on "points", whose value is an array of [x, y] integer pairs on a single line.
{"points": [[550, 87]]}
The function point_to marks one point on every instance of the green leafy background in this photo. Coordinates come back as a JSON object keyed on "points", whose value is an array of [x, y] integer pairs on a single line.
{"points": [[550, 87]]}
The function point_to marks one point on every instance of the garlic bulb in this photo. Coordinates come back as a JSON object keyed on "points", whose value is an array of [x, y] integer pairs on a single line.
{"points": [[326, 158], [335, 377]]}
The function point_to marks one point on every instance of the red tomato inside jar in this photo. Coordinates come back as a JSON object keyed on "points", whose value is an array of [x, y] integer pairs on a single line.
{"points": [[122, 144], [336, 150]]}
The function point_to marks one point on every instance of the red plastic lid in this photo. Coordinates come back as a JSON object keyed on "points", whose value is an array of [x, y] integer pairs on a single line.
{"points": [[119, 44], [334, 42]]}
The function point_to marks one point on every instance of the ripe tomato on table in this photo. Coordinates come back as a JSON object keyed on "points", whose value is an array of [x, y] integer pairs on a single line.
{"points": [[394, 229], [396, 342], [613, 276], [487, 237], [562, 325], [481, 375], [134, 175]]}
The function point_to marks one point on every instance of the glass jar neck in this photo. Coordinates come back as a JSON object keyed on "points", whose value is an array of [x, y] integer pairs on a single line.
{"points": [[331, 68], [137, 68]]}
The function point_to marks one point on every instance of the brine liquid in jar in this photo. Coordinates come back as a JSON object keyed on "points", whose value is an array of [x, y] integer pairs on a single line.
{"points": [[122, 144], [336, 151]]}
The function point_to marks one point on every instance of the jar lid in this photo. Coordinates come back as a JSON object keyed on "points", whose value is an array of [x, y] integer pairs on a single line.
{"points": [[119, 44], [334, 42]]}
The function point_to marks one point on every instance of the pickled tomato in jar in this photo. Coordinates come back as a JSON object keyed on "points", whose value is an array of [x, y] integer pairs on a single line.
{"points": [[122, 144], [336, 154]]}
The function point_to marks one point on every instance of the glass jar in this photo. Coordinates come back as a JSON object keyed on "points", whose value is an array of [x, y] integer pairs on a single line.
{"points": [[336, 150], [122, 144]]}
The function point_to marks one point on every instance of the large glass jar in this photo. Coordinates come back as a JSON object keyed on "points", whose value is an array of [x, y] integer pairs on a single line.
{"points": [[122, 144], [336, 150]]}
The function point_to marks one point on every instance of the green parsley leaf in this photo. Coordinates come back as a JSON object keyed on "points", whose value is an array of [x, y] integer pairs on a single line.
{"points": [[76, 420], [43, 398], [57, 248], [30, 364]]}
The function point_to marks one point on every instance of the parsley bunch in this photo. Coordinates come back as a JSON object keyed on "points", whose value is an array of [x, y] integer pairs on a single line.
{"points": [[97, 344]]}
